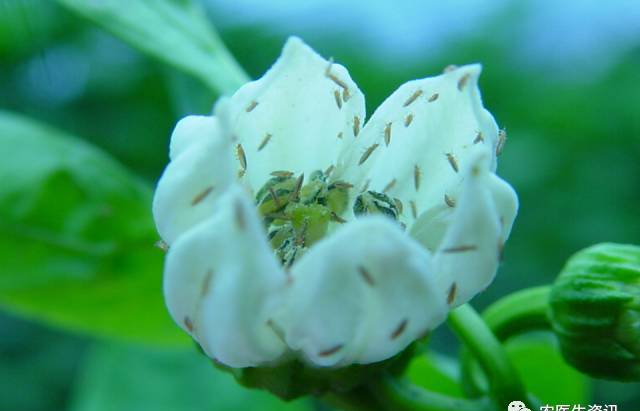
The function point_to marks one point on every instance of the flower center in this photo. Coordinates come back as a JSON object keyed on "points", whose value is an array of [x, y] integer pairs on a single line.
{"points": [[297, 214]]}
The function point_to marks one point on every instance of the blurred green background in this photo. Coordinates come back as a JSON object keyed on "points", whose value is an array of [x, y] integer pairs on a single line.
{"points": [[564, 79]]}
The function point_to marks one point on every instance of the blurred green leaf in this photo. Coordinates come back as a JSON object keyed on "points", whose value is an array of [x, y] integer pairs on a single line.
{"points": [[76, 237], [544, 372], [436, 373], [133, 379], [176, 32]]}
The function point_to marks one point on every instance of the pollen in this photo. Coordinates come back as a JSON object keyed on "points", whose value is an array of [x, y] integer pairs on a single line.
{"points": [[356, 126], [433, 97], [479, 138], [416, 177]]}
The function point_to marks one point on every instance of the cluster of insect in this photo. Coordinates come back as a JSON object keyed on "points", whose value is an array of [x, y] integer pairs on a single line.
{"points": [[297, 214]]}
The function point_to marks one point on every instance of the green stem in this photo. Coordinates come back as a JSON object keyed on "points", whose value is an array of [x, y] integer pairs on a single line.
{"points": [[504, 382], [520, 312], [515, 314], [398, 395]]}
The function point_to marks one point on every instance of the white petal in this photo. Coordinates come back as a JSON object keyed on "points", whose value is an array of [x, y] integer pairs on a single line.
{"points": [[190, 130], [220, 282], [200, 170], [361, 295], [290, 119], [469, 254], [430, 126]]}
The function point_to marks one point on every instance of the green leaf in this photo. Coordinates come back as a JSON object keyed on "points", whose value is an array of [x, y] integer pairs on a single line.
{"points": [[436, 373], [175, 32], [545, 373], [77, 237], [126, 378]]}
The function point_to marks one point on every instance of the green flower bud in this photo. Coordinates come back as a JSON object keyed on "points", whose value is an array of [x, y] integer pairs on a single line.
{"points": [[595, 311]]}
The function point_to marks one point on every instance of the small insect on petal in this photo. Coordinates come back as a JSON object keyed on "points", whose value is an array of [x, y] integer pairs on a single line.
{"points": [[330, 351], [296, 192], [414, 209], [416, 177], [450, 68], [336, 95], [188, 323], [399, 329], [365, 187], [387, 134], [342, 184], [251, 106], [408, 119], [335, 217], [201, 196], [282, 173], [366, 276], [452, 161], [356, 126], [329, 170], [242, 158], [274, 197], [449, 201], [399, 205], [502, 139], [433, 98], [367, 154], [412, 98], [389, 185], [206, 283], [162, 245], [479, 138], [238, 214], [345, 95], [451, 295], [463, 81], [264, 141], [460, 249]]}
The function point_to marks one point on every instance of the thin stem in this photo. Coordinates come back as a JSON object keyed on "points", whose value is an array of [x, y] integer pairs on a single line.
{"points": [[520, 312], [515, 314], [398, 395], [504, 382]]}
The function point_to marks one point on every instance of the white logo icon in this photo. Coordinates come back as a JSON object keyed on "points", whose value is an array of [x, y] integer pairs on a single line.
{"points": [[517, 406]]}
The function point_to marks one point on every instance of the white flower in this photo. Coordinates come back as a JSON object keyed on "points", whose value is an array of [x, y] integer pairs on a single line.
{"points": [[267, 256]]}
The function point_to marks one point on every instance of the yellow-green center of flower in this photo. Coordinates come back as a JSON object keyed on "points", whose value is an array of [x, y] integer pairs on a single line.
{"points": [[297, 214]]}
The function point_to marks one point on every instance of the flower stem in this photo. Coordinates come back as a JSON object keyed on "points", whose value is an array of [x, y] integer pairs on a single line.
{"points": [[399, 395], [517, 313], [504, 382], [520, 312]]}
